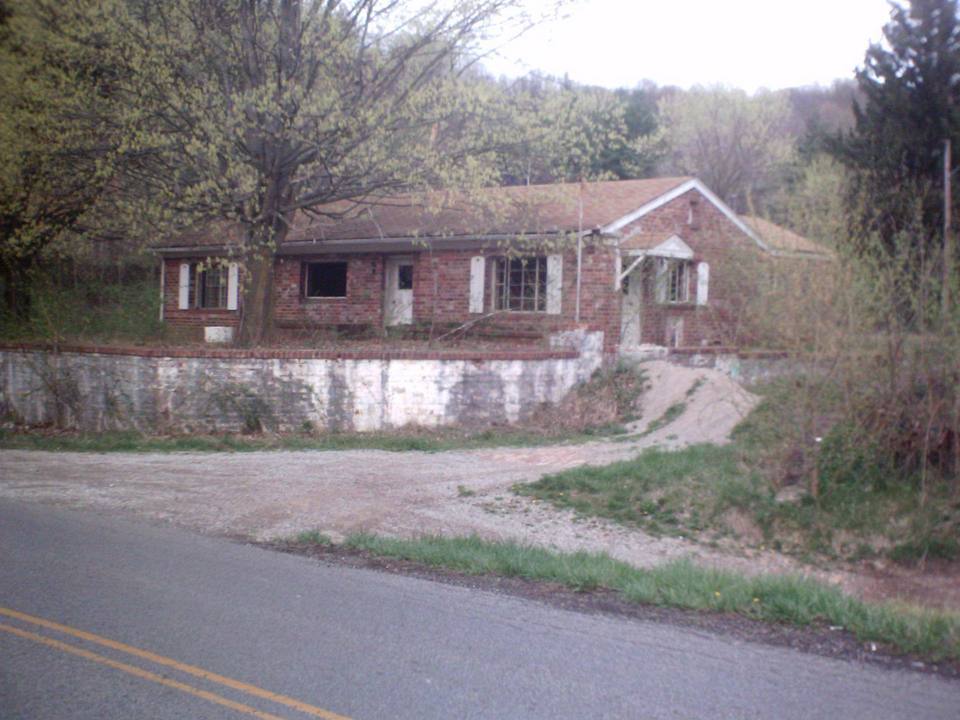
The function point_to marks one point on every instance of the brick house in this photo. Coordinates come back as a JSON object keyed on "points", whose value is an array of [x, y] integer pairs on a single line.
{"points": [[647, 262]]}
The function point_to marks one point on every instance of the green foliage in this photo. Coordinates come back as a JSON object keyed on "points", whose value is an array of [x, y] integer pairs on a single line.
{"points": [[785, 599], [736, 143], [313, 537], [910, 107], [89, 310]]}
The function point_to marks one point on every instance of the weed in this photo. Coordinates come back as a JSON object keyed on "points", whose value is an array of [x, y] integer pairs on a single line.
{"points": [[669, 415], [313, 537], [464, 491]]}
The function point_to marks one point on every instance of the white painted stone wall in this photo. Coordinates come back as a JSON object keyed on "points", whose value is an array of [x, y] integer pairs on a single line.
{"points": [[96, 392]]}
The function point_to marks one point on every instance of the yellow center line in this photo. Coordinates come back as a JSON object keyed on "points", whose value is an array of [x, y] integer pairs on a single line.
{"points": [[161, 660], [140, 672]]}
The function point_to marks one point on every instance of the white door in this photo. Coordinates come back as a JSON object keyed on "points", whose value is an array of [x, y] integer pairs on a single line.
{"points": [[398, 298], [630, 307]]}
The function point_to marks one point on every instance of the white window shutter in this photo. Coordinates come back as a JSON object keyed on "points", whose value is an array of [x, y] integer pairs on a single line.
{"points": [[554, 284], [477, 273], [661, 280], [233, 278], [703, 283], [184, 299]]}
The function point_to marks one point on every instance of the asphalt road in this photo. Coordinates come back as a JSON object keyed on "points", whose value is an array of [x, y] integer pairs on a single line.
{"points": [[102, 618]]}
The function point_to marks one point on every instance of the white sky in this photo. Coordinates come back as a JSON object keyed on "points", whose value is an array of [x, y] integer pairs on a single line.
{"points": [[749, 44]]}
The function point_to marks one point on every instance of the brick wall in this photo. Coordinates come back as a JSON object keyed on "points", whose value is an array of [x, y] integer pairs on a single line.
{"points": [[714, 239], [363, 304]]}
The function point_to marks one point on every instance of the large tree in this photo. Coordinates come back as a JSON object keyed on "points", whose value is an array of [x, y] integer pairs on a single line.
{"points": [[55, 154], [251, 111], [736, 143], [911, 89]]}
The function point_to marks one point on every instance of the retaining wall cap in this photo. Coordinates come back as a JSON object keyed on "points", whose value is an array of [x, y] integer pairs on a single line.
{"points": [[296, 354]]}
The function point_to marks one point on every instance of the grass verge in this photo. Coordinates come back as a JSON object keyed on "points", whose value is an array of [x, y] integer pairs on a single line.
{"points": [[399, 441], [681, 584]]}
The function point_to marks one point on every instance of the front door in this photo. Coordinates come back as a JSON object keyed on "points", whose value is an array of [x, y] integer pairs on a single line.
{"points": [[630, 307], [398, 298]]}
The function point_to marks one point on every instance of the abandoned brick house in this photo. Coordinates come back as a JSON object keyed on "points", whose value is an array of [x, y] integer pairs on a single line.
{"points": [[647, 262]]}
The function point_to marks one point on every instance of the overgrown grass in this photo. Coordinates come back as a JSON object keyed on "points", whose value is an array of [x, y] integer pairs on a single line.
{"points": [[784, 599], [660, 491], [399, 441], [735, 491], [88, 311]]}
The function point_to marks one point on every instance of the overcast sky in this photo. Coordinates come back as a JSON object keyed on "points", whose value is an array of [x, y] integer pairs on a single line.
{"points": [[749, 44]]}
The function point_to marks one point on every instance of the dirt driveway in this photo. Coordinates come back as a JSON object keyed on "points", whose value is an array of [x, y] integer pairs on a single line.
{"points": [[267, 495]]}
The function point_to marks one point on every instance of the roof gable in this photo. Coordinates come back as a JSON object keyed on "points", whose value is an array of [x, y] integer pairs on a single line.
{"points": [[673, 194]]}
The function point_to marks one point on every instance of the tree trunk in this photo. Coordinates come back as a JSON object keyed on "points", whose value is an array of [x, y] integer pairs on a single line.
{"points": [[256, 312]]}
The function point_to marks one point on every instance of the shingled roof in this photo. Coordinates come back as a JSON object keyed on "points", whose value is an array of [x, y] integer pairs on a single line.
{"points": [[783, 240], [518, 210]]}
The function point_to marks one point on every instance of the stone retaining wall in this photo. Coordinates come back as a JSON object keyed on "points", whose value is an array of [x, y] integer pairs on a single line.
{"points": [[203, 390]]}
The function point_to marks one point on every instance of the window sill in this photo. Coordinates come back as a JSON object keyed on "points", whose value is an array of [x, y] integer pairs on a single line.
{"points": [[323, 299]]}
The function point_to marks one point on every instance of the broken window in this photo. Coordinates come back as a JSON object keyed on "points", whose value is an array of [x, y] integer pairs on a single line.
{"points": [[325, 279], [673, 281], [521, 284]]}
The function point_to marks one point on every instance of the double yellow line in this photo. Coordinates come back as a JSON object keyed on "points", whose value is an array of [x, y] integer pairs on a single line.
{"points": [[159, 660]]}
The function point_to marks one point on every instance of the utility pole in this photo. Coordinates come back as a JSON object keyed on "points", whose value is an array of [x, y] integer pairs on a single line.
{"points": [[948, 260]]}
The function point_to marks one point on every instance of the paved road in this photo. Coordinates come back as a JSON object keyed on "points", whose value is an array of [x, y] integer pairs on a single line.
{"points": [[160, 623]]}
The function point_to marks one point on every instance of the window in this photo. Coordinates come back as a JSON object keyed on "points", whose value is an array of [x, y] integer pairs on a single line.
{"points": [[209, 287], [325, 280], [673, 277], [405, 277], [521, 284]]}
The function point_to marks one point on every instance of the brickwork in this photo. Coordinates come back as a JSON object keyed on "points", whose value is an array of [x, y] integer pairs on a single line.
{"points": [[363, 304], [442, 286]]}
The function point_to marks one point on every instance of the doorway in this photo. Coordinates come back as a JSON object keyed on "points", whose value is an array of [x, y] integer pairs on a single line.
{"points": [[631, 305], [398, 295]]}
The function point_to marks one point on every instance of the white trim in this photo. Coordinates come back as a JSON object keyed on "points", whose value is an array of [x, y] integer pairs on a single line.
{"points": [[633, 266], [703, 283], [183, 301], [673, 247], [233, 285], [672, 195], [554, 284], [478, 274], [163, 279]]}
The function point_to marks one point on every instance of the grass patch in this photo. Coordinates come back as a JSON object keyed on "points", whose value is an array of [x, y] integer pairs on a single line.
{"points": [[681, 584], [313, 537], [661, 491], [399, 441], [734, 492]]}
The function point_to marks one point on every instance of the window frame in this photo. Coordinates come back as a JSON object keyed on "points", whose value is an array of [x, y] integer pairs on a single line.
{"points": [[505, 269], [305, 279], [676, 281], [201, 288]]}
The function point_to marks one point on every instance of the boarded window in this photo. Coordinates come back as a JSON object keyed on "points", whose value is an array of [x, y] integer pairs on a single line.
{"points": [[521, 284], [325, 279]]}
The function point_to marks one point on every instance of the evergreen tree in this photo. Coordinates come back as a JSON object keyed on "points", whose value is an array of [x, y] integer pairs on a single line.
{"points": [[911, 86]]}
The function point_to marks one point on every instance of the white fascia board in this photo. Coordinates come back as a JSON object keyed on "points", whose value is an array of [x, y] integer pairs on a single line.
{"points": [[672, 195]]}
